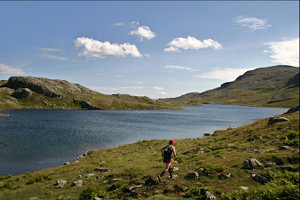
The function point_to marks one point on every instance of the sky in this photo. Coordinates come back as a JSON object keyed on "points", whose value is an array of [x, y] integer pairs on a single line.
{"points": [[155, 49]]}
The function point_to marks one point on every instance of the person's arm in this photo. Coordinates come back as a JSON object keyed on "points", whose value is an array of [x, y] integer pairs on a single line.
{"points": [[174, 152]]}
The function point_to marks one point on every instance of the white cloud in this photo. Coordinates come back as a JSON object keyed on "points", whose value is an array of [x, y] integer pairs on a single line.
{"points": [[158, 88], [285, 52], [163, 93], [252, 23], [191, 43], [94, 48], [119, 89], [49, 49], [118, 24], [227, 74], [6, 69], [54, 57], [143, 32], [179, 67]]}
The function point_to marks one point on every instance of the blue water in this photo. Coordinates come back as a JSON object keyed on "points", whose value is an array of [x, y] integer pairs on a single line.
{"points": [[37, 139]]}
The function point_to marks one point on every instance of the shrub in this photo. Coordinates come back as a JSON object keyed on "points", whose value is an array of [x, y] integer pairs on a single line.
{"points": [[91, 192]]}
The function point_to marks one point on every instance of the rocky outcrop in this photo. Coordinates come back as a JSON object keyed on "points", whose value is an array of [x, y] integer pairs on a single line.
{"points": [[35, 84], [192, 175], [22, 93], [259, 178], [293, 109], [273, 120], [88, 105]]}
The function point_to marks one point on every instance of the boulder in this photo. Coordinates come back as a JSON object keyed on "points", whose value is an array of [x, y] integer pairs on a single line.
{"points": [[202, 171], [259, 178], [192, 175], [209, 195], [285, 148], [90, 175], [77, 183], [251, 164], [199, 150], [132, 187], [207, 134], [67, 163], [244, 187], [60, 183], [273, 120], [286, 167], [22, 93], [259, 151], [98, 169], [224, 176]]}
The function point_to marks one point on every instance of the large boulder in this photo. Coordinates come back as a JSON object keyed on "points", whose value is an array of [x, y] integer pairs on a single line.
{"points": [[192, 175], [259, 178], [273, 120], [60, 183], [251, 164], [22, 93], [35, 84]]}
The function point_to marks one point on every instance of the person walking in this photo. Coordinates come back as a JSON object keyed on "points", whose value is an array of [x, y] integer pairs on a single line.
{"points": [[167, 152]]}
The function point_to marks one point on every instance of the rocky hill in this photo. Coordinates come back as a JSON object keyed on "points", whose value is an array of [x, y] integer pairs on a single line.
{"points": [[22, 92], [276, 86], [257, 161]]}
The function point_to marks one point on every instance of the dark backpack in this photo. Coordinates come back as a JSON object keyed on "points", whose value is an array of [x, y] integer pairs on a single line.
{"points": [[168, 150]]}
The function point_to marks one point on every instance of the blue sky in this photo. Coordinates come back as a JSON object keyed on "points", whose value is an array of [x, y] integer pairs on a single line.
{"points": [[156, 49]]}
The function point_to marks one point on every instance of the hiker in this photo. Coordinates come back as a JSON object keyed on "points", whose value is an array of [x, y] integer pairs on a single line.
{"points": [[167, 155]]}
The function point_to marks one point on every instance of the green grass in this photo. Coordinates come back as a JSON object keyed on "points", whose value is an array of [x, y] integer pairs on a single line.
{"points": [[139, 163]]}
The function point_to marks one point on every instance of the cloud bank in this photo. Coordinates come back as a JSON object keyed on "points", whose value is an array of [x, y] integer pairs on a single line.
{"points": [[226, 74], [191, 43], [143, 32], [179, 67], [93, 48], [6, 69], [285, 52], [252, 23]]}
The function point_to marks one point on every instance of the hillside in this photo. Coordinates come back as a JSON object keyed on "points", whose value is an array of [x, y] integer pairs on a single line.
{"points": [[22, 92], [256, 161], [276, 86]]}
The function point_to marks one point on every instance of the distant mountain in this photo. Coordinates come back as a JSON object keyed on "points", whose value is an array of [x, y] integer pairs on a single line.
{"points": [[22, 92], [276, 86]]}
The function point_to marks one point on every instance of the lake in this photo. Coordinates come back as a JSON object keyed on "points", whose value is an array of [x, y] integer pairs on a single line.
{"points": [[38, 139]]}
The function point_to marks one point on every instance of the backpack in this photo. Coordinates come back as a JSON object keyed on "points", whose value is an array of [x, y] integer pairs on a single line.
{"points": [[168, 150]]}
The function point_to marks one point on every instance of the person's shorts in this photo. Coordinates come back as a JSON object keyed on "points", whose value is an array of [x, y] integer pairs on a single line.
{"points": [[167, 160]]}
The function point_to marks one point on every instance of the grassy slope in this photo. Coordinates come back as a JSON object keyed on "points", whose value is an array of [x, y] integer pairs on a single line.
{"points": [[267, 87], [138, 163]]}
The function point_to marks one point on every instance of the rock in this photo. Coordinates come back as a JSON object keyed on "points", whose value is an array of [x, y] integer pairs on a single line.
{"points": [[259, 178], [202, 171], [207, 134], [270, 164], [22, 93], [97, 198], [293, 110], [192, 175], [175, 169], [39, 85], [60, 183], [98, 169], [90, 175], [285, 148], [67, 163], [79, 157], [115, 179], [259, 151], [286, 167], [251, 164], [273, 120], [209, 195], [135, 186], [77, 183], [224, 176], [244, 187], [88, 105]]}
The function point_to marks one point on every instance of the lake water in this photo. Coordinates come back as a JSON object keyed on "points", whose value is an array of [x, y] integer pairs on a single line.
{"points": [[38, 139]]}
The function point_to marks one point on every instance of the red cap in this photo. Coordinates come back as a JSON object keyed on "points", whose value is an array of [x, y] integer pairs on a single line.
{"points": [[173, 141]]}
